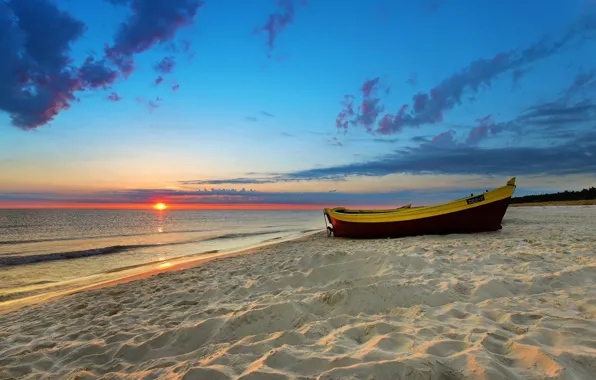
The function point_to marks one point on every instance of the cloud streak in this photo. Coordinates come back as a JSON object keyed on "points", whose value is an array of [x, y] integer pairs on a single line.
{"points": [[444, 154], [428, 108], [278, 21], [216, 196]]}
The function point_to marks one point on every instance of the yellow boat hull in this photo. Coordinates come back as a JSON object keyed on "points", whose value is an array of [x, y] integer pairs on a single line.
{"points": [[476, 213]]}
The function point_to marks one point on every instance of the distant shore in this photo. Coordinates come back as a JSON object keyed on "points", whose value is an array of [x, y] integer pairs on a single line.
{"points": [[588, 202]]}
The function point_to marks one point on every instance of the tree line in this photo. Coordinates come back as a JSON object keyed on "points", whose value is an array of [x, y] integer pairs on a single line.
{"points": [[580, 195]]}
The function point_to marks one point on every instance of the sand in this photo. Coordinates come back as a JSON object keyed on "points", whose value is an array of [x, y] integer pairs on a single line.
{"points": [[515, 304]]}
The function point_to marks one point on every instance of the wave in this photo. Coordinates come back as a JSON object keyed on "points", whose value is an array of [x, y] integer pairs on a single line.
{"points": [[7, 242], [12, 259]]}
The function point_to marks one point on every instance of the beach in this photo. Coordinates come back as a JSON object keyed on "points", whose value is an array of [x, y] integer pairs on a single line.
{"points": [[519, 303]]}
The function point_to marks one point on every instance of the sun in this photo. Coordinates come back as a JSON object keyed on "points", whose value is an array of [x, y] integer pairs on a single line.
{"points": [[160, 206]]}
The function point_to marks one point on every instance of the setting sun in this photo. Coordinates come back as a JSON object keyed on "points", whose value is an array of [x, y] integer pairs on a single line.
{"points": [[160, 206]]}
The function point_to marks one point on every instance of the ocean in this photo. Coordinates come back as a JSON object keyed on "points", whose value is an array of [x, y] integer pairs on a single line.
{"points": [[48, 251]]}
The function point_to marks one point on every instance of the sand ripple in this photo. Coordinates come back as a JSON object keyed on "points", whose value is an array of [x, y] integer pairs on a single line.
{"points": [[519, 303]]}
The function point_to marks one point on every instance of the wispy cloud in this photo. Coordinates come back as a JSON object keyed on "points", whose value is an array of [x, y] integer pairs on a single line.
{"points": [[278, 21], [429, 107], [444, 153], [114, 97], [335, 142], [232, 197], [368, 111]]}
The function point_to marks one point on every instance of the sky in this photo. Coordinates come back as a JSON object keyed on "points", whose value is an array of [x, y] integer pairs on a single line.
{"points": [[293, 103]]}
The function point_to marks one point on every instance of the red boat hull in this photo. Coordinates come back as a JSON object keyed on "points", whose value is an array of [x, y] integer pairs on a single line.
{"points": [[483, 218]]}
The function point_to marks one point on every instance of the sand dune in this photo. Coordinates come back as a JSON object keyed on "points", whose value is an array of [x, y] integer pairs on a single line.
{"points": [[519, 303]]}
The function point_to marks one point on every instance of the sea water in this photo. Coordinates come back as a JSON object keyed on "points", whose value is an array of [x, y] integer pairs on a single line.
{"points": [[42, 250]]}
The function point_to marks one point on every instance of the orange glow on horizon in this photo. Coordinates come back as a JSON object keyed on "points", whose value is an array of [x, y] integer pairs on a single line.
{"points": [[144, 206], [160, 206]]}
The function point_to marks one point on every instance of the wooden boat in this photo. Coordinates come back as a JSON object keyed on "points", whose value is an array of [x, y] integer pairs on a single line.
{"points": [[476, 213]]}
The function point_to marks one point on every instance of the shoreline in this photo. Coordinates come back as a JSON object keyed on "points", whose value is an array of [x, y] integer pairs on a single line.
{"points": [[517, 303], [141, 271], [589, 202]]}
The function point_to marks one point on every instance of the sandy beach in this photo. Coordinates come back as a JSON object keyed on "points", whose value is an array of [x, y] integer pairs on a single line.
{"points": [[516, 304]]}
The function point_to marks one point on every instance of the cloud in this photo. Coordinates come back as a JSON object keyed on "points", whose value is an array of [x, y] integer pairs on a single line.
{"points": [[412, 79], [39, 79], [37, 75], [251, 118], [158, 80], [265, 113], [166, 65], [234, 197], [584, 81], [368, 111], [516, 76], [150, 104], [278, 21], [96, 74], [114, 97], [572, 152], [557, 115], [429, 108], [151, 22], [335, 142], [573, 157], [480, 132]]}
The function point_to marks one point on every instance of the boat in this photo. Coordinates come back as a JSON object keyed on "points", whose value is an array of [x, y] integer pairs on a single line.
{"points": [[482, 212]]}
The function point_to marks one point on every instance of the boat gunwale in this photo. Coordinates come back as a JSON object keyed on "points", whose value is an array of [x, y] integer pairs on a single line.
{"points": [[418, 212]]}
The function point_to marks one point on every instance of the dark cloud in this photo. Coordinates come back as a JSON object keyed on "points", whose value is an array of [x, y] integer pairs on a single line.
{"points": [[557, 115], [574, 157], [158, 80], [37, 75], [151, 22], [166, 65], [278, 21], [39, 79], [96, 74], [428, 108]]}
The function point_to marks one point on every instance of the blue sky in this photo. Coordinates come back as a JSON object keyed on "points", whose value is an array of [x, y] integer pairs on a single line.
{"points": [[489, 90]]}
